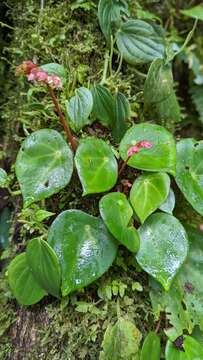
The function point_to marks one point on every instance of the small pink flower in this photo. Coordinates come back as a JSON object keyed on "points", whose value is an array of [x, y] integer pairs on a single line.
{"points": [[136, 148], [57, 82], [41, 76], [145, 144], [31, 77], [201, 227], [132, 150]]}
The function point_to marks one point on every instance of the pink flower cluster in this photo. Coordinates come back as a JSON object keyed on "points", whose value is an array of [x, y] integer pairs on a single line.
{"points": [[136, 148], [34, 73]]}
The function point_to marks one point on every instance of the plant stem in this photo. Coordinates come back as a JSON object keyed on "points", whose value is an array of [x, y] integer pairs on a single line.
{"points": [[123, 165], [62, 119]]}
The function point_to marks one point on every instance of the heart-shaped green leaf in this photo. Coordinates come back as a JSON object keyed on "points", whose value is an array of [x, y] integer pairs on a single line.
{"points": [[3, 178], [121, 341], [96, 165], [79, 108], [103, 104], [169, 204], [122, 113], [55, 69], [23, 284], [160, 157], [195, 12], [148, 193], [163, 247], [44, 265], [151, 346], [190, 172], [44, 165], [109, 14], [140, 42], [84, 247], [116, 212], [172, 353]]}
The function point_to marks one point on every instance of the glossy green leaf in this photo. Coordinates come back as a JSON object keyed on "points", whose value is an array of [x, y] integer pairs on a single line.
{"points": [[140, 42], [5, 224], [193, 349], [3, 178], [121, 341], [122, 113], [172, 353], [151, 346], [23, 285], [84, 247], [161, 157], [44, 165], [169, 203], [103, 104], [116, 212], [163, 247], [96, 165], [55, 69], [189, 176], [109, 14], [195, 12], [79, 108], [148, 192], [161, 103], [44, 265]]}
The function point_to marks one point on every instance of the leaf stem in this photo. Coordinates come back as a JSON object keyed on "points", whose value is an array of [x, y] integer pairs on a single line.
{"points": [[106, 62], [62, 119]]}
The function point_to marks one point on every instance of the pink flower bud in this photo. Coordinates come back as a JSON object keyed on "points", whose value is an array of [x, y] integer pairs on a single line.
{"points": [[132, 150], [31, 77]]}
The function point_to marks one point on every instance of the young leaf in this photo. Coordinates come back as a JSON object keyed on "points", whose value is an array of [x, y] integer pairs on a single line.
{"points": [[161, 103], [140, 42], [190, 172], [160, 157], [3, 178], [84, 247], [109, 14], [96, 165], [116, 212], [44, 265], [121, 341], [163, 247], [55, 69], [103, 105], [25, 288], [169, 204], [172, 353], [79, 108], [148, 193], [122, 113], [195, 12], [44, 165], [151, 346]]}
